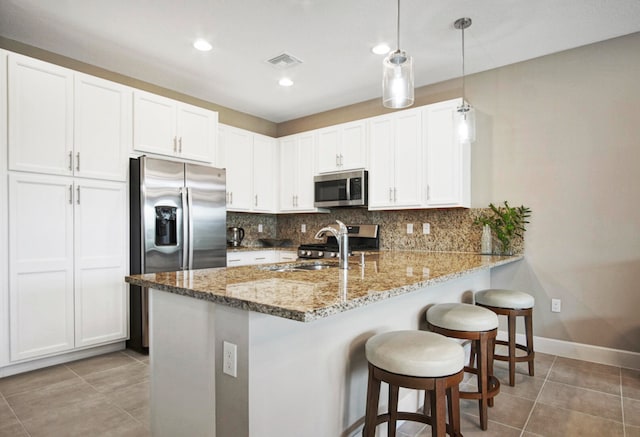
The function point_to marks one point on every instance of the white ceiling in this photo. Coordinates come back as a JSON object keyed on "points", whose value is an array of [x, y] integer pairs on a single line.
{"points": [[151, 40]]}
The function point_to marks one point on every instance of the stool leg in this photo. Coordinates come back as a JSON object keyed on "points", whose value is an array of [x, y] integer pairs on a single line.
{"points": [[511, 321], [528, 320], [373, 394], [393, 410], [438, 410], [490, 351], [482, 379], [472, 355], [454, 410]]}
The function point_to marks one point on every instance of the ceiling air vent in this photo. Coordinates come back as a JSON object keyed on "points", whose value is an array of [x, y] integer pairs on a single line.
{"points": [[285, 60]]}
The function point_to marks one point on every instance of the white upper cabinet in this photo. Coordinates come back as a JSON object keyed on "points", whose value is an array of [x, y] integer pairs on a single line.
{"points": [[341, 147], [67, 123], [297, 171], [40, 116], [265, 174], [102, 128], [165, 126], [395, 160], [251, 161], [448, 160]]}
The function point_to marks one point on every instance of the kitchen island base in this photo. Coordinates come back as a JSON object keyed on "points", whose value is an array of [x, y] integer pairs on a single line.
{"points": [[293, 378]]}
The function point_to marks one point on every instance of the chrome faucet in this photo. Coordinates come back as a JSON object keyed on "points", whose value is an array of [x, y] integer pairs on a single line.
{"points": [[342, 235]]}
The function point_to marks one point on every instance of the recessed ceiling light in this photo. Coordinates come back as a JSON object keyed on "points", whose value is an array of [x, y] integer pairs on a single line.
{"points": [[381, 49], [285, 81], [202, 45]]}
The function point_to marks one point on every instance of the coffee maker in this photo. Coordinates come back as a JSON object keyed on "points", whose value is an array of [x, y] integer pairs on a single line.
{"points": [[234, 236]]}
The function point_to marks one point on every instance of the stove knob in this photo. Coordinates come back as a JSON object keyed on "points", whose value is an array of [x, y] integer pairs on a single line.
{"points": [[320, 254], [332, 255]]}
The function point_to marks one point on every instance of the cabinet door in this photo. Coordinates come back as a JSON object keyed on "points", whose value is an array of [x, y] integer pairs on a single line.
{"points": [[381, 168], [101, 298], [265, 174], [238, 146], [102, 128], [305, 173], [40, 116], [4, 226], [288, 173], [353, 153], [41, 265], [154, 124], [197, 129], [328, 149], [447, 158], [408, 160]]}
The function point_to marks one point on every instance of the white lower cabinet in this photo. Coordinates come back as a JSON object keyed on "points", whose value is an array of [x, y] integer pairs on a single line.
{"points": [[68, 256]]}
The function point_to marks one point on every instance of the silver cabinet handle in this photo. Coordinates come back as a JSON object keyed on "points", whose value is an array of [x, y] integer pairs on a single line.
{"points": [[428, 193], [78, 161], [390, 194], [70, 194], [78, 198], [180, 145], [175, 144], [70, 161], [337, 160], [341, 160], [395, 194], [256, 201], [231, 198]]}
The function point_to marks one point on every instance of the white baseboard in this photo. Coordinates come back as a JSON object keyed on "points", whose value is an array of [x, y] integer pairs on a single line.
{"points": [[14, 369], [581, 351]]}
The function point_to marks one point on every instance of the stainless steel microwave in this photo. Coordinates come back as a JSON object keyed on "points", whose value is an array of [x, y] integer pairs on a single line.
{"points": [[348, 188]]}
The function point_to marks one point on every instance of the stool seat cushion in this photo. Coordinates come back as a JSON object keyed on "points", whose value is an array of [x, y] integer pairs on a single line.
{"points": [[462, 317], [415, 353], [510, 299]]}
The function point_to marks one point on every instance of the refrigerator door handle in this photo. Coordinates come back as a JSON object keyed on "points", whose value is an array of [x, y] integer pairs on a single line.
{"points": [[190, 226], [186, 215]]}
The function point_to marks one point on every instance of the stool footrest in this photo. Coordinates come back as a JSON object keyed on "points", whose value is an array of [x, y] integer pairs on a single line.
{"points": [[518, 359], [492, 390], [414, 417]]}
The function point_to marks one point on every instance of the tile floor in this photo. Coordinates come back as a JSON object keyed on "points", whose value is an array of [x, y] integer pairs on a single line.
{"points": [[109, 395], [565, 398], [106, 395]]}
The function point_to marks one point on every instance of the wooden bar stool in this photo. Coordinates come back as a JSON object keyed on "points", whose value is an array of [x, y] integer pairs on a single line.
{"points": [[470, 322], [511, 303], [417, 360]]}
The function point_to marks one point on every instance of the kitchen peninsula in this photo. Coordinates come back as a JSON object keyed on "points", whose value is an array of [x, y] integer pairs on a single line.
{"points": [[297, 338]]}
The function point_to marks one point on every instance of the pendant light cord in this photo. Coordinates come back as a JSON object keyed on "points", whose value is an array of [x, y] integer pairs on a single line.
{"points": [[398, 29], [463, 88]]}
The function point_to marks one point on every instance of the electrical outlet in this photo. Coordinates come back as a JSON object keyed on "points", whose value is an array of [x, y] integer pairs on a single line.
{"points": [[303, 228], [426, 228], [230, 359], [556, 305], [260, 227], [409, 228]]}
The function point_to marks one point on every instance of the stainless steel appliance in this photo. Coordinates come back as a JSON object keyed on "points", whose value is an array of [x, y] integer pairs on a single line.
{"points": [[361, 238], [348, 188], [234, 236], [178, 222]]}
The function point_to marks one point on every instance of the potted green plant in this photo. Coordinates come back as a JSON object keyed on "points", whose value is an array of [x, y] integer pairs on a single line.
{"points": [[506, 223]]}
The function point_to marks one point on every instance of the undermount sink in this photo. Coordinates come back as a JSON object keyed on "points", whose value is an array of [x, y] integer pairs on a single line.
{"points": [[299, 267]]}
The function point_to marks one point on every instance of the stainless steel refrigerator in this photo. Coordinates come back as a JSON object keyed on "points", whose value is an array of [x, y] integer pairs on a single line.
{"points": [[178, 222]]}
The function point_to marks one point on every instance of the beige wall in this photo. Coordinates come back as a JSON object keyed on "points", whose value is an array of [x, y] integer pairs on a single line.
{"points": [[560, 134]]}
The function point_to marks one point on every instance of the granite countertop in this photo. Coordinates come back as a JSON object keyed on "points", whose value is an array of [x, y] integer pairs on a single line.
{"points": [[310, 295]]}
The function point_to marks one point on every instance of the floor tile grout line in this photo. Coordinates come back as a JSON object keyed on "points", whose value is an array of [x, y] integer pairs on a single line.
{"points": [[24, 428], [533, 407]]}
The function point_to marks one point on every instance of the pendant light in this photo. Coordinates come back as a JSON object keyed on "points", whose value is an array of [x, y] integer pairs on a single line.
{"points": [[397, 77], [465, 112]]}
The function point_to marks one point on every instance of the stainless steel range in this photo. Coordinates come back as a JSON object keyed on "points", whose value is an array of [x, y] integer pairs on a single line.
{"points": [[361, 238]]}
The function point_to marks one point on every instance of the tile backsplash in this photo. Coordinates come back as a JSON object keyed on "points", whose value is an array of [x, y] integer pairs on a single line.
{"points": [[451, 230]]}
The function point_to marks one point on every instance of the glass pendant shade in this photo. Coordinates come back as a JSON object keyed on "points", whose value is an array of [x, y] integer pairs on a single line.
{"points": [[466, 123], [397, 80]]}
